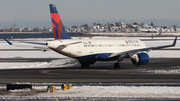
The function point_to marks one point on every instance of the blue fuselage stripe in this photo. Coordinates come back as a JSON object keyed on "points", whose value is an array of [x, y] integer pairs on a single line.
{"points": [[97, 56], [101, 56]]}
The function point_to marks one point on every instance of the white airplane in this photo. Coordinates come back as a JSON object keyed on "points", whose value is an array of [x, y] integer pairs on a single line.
{"points": [[153, 35], [146, 30], [88, 51]]}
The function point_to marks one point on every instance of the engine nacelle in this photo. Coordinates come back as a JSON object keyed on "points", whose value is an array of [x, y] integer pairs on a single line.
{"points": [[143, 59]]}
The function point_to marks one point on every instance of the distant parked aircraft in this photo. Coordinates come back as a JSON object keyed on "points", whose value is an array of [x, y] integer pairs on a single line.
{"points": [[147, 30], [88, 51], [154, 34]]}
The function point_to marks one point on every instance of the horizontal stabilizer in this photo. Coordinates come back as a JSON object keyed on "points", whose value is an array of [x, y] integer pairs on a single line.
{"points": [[72, 43], [7, 41], [35, 43], [27, 46]]}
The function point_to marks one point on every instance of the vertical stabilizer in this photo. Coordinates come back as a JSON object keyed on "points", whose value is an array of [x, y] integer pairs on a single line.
{"points": [[58, 27]]}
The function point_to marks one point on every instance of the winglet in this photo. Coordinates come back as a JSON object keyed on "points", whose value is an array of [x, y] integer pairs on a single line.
{"points": [[174, 43], [7, 41]]}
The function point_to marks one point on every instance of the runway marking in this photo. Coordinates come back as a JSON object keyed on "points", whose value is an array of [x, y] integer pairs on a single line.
{"points": [[48, 71], [45, 72], [53, 72], [89, 70]]}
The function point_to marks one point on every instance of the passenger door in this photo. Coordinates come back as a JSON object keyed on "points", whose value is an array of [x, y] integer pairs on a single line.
{"points": [[80, 48]]}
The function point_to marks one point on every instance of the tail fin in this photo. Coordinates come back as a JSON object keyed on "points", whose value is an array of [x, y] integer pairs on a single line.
{"points": [[58, 27], [137, 28], [160, 32]]}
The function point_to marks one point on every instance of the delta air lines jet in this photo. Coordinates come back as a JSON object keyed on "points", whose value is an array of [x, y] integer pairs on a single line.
{"points": [[88, 51]]}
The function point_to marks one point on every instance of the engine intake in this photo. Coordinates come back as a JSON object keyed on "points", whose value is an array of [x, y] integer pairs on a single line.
{"points": [[143, 59]]}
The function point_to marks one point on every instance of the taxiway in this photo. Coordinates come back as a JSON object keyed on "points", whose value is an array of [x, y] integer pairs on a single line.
{"points": [[99, 72]]}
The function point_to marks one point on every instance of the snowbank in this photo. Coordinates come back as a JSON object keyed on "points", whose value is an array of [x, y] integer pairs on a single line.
{"points": [[32, 65]]}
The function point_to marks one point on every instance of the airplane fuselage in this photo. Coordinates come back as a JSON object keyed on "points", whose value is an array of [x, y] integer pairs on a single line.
{"points": [[93, 47]]}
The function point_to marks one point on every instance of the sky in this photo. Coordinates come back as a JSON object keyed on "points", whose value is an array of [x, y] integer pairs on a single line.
{"points": [[36, 13]]}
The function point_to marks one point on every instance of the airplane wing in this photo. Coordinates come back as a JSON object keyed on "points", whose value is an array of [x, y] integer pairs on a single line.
{"points": [[140, 50]]}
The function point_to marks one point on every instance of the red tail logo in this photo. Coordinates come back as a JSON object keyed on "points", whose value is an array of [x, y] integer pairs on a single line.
{"points": [[58, 28]]}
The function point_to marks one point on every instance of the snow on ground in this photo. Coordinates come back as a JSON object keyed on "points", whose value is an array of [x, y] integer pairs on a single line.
{"points": [[30, 54], [160, 43], [32, 65], [118, 91], [134, 34], [164, 54], [104, 91], [168, 71]]}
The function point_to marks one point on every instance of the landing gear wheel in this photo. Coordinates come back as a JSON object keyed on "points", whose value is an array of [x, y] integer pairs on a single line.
{"points": [[87, 66], [82, 66]]}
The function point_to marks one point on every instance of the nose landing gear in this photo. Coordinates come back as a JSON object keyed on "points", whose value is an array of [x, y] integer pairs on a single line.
{"points": [[117, 65]]}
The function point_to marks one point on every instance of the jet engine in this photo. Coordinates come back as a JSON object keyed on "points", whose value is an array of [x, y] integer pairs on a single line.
{"points": [[141, 59]]}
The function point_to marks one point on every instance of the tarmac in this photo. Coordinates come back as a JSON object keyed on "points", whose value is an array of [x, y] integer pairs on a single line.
{"points": [[98, 72]]}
